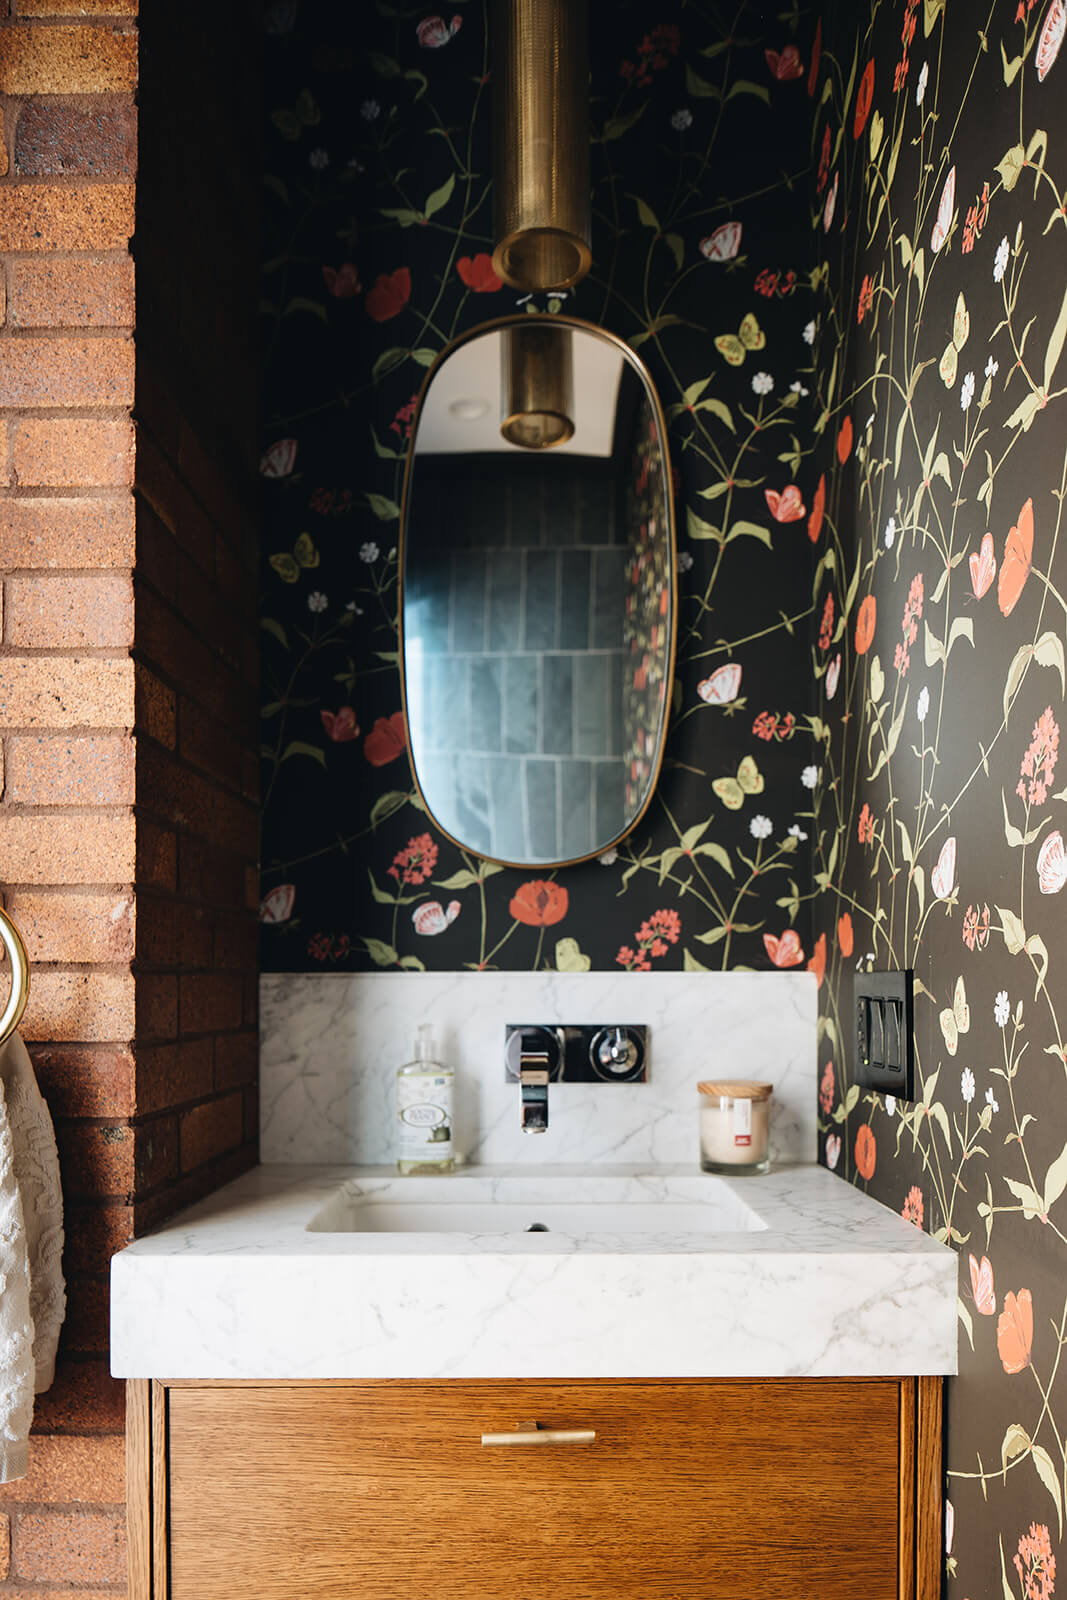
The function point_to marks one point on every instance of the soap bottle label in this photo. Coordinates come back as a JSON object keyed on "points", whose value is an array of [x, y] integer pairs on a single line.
{"points": [[742, 1122], [424, 1108]]}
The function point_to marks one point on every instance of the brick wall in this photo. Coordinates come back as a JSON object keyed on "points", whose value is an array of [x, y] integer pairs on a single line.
{"points": [[128, 719]]}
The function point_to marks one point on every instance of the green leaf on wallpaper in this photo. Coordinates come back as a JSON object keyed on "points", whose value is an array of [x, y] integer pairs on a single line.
{"points": [[699, 87], [1056, 1179], [716, 491], [386, 362], [1055, 342], [300, 302], [1032, 1203], [697, 528], [677, 248], [918, 267], [382, 954], [1047, 1473], [440, 197], [905, 250], [1011, 165], [569, 957], [693, 393], [886, 754], [748, 530], [1016, 1442], [463, 879], [713, 935], [877, 130], [919, 879], [384, 509], [300, 747], [412, 964], [965, 1317], [383, 450], [1026, 411], [718, 853], [615, 127], [424, 356], [691, 964], [646, 214], [387, 805], [719, 409], [932, 9], [275, 630], [384, 66], [1012, 929], [403, 216], [746, 86]]}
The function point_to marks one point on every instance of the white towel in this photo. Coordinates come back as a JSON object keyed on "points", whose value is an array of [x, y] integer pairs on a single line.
{"points": [[36, 1168]]}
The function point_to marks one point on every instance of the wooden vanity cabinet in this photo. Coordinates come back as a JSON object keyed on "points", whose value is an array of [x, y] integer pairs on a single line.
{"points": [[784, 1489]]}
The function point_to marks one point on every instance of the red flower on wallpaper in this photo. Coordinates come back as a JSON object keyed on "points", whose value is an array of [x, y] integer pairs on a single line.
{"points": [[1018, 557], [912, 1209], [1039, 760], [654, 937], [865, 621], [866, 1152], [340, 725], [416, 861], [386, 740], [477, 273], [866, 297], [844, 441], [817, 964], [1015, 1331], [391, 293], [539, 903], [845, 935], [787, 506], [976, 924], [826, 1089], [865, 825], [816, 53], [342, 282], [785, 65], [864, 97], [1035, 1563], [824, 161], [786, 951], [826, 627], [818, 506]]}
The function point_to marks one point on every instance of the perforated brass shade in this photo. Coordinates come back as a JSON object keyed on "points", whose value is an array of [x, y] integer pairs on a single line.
{"points": [[540, 142], [537, 384]]}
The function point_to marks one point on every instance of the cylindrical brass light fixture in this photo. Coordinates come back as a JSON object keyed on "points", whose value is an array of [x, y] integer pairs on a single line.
{"points": [[541, 142], [536, 384]]}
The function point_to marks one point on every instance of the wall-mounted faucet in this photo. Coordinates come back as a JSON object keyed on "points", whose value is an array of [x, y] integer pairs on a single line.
{"points": [[536, 1055]]}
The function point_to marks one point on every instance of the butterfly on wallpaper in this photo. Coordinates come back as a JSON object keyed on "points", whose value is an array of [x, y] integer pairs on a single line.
{"points": [[946, 207], [735, 346], [1052, 864], [1048, 45], [943, 876], [957, 1020], [721, 688], [787, 506], [432, 918], [1018, 556], [982, 1285], [983, 565], [724, 243], [833, 673], [786, 66], [288, 567], [786, 951], [732, 791], [278, 461], [278, 905]]}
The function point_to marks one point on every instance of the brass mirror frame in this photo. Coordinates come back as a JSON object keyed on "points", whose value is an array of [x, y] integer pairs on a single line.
{"points": [[558, 319]]}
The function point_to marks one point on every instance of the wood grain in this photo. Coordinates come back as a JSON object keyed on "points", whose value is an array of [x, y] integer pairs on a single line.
{"points": [[693, 1491], [138, 1491], [160, 1485], [929, 1489]]}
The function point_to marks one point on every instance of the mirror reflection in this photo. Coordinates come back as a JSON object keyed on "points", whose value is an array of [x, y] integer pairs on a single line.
{"points": [[538, 591]]}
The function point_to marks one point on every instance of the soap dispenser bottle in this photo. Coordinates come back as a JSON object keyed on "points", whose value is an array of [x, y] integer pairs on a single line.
{"points": [[424, 1109]]}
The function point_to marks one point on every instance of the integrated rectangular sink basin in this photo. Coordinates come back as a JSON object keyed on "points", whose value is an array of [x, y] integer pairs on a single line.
{"points": [[578, 1205]]}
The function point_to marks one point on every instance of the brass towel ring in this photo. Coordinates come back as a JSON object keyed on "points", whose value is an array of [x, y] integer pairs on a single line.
{"points": [[11, 1015]]}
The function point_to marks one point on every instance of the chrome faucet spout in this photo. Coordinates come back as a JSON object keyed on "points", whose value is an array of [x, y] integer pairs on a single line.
{"points": [[533, 1081]]}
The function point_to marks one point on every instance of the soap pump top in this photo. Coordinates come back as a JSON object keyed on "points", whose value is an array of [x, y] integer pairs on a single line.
{"points": [[424, 1108], [425, 1045]]}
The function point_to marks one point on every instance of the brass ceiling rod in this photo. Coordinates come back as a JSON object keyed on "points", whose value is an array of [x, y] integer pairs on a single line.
{"points": [[540, 77]]}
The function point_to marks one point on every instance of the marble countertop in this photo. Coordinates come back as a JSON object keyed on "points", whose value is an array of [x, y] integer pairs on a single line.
{"points": [[801, 1274]]}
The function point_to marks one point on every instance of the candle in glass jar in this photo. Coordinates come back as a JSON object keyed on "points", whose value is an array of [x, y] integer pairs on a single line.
{"points": [[735, 1126]]}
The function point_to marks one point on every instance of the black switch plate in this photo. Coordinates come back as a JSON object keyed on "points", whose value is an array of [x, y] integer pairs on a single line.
{"points": [[885, 1056]]}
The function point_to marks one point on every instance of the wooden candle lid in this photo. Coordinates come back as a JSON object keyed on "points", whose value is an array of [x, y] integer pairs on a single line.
{"points": [[739, 1089]]}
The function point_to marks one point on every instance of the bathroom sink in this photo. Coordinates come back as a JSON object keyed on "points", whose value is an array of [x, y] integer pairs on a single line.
{"points": [[576, 1205]]}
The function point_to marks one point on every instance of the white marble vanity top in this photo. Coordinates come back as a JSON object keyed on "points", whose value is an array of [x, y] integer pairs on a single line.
{"points": [[797, 1274]]}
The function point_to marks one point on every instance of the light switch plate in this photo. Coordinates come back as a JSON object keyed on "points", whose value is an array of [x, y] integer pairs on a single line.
{"points": [[884, 1033]]}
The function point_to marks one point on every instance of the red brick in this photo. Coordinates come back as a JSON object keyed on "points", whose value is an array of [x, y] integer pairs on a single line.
{"points": [[57, 771], [170, 1075], [157, 855], [61, 454], [95, 1231], [236, 943], [157, 1153], [66, 60], [67, 533], [66, 371], [207, 744], [157, 552], [53, 1545], [157, 1006], [156, 708], [209, 874], [5, 454], [5, 1544], [58, 139], [77, 8], [236, 1059], [69, 1470], [66, 849], [172, 936], [46, 216], [169, 495], [55, 692], [86, 1327], [210, 1129], [70, 927], [96, 1160], [80, 1006], [69, 613], [210, 1001], [86, 292], [84, 1399], [81, 1080]]}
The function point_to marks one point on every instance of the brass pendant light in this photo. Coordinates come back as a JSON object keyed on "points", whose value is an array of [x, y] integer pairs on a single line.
{"points": [[541, 142], [537, 384]]}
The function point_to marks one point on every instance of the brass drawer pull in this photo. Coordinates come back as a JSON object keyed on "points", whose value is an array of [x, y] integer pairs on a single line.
{"points": [[533, 1433]]}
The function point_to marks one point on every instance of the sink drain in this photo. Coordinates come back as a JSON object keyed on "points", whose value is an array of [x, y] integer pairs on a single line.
{"points": [[537, 1227]]}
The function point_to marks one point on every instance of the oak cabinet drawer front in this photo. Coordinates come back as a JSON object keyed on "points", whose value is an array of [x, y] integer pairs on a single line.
{"points": [[690, 1491]]}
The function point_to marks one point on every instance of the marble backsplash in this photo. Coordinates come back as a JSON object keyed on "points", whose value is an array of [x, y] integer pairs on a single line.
{"points": [[331, 1044]]}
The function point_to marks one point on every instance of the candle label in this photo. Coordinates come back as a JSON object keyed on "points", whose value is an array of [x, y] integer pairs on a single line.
{"points": [[742, 1122]]}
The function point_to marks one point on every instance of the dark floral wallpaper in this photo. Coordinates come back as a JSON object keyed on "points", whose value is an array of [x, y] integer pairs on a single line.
{"points": [[378, 241], [940, 173]]}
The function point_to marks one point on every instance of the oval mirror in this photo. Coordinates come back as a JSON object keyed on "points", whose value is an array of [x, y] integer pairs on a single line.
{"points": [[538, 591]]}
